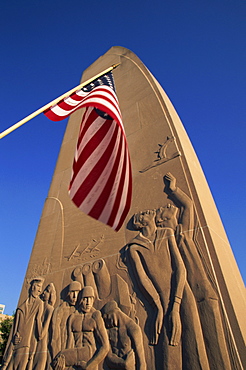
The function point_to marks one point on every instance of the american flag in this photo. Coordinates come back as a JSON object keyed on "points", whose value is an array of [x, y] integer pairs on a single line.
{"points": [[101, 182]]}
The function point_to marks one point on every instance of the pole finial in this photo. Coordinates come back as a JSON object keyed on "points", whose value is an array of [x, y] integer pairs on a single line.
{"points": [[115, 65]]}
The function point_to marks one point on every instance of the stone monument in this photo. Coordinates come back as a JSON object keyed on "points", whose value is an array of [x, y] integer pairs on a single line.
{"points": [[162, 293]]}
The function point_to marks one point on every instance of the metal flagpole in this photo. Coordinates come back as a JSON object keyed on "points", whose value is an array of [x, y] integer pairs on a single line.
{"points": [[55, 101]]}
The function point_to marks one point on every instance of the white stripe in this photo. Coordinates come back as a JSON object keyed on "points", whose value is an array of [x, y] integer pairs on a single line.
{"points": [[72, 102], [91, 161], [96, 190], [104, 217], [124, 195], [89, 164], [91, 131], [112, 105], [84, 119], [104, 103], [62, 112], [98, 90], [103, 90]]}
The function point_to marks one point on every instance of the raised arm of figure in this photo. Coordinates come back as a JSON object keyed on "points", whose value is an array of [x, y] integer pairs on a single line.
{"points": [[183, 201]]}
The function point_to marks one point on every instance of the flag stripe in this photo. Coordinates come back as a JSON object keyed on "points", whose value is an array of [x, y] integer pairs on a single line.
{"points": [[127, 198], [102, 97], [93, 173], [71, 103], [96, 200], [94, 195], [105, 215], [119, 194], [89, 117], [96, 211], [86, 166]]}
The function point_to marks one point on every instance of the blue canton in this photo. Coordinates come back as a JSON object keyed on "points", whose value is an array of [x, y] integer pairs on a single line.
{"points": [[107, 80]]}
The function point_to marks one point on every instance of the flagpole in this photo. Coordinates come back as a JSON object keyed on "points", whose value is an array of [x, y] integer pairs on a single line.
{"points": [[55, 101]]}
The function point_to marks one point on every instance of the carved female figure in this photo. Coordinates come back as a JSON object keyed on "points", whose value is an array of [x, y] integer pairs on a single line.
{"points": [[42, 356]]}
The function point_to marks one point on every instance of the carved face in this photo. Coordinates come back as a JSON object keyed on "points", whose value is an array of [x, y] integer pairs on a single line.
{"points": [[167, 216], [72, 297], [46, 294], [86, 303], [36, 288], [146, 217], [110, 319]]}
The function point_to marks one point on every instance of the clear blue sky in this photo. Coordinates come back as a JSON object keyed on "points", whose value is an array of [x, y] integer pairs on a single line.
{"points": [[195, 49]]}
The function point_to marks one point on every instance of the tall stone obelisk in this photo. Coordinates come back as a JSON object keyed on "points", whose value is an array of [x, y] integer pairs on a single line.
{"points": [[167, 283]]}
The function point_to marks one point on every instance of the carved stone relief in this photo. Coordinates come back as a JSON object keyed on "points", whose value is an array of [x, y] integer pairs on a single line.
{"points": [[60, 316], [43, 269], [154, 305], [125, 338], [90, 250], [206, 296], [87, 340], [166, 152], [41, 355], [26, 330]]}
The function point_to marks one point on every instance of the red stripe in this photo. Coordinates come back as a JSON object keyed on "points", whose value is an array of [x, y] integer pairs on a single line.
{"points": [[89, 148], [119, 193], [102, 200], [110, 101], [52, 116], [128, 199], [96, 93], [101, 106], [90, 180], [77, 97], [103, 109], [86, 123]]}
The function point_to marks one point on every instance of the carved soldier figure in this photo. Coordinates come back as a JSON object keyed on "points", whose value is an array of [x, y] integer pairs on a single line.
{"points": [[60, 316], [125, 338], [202, 288], [87, 343], [26, 327]]}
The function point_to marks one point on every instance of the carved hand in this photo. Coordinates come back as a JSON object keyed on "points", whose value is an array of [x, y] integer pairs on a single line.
{"points": [[59, 362], [130, 361], [170, 181], [17, 338], [156, 326], [83, 365], [175, 328]]}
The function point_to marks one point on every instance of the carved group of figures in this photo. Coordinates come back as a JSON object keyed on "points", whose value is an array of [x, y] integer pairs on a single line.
{"points": [[184, 323]]}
